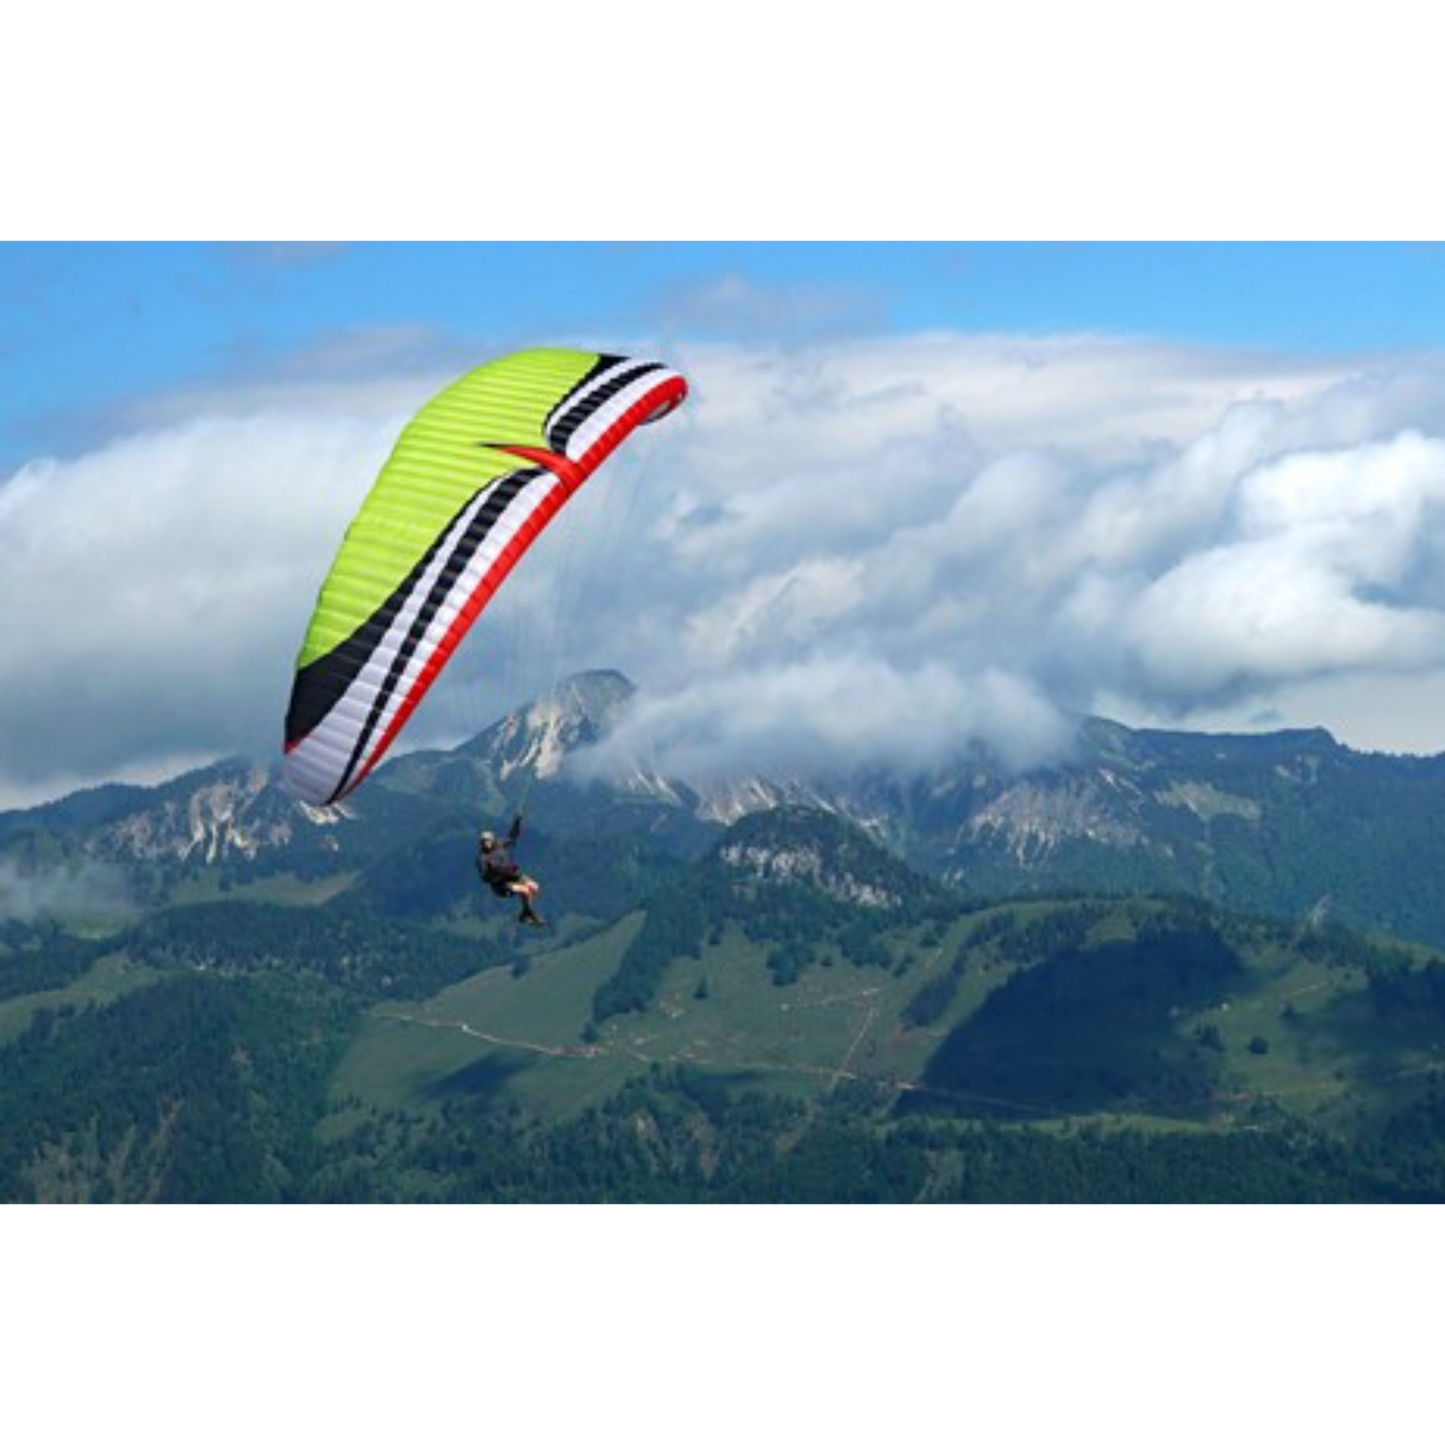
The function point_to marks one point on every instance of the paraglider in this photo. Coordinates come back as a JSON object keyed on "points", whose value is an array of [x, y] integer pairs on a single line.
{"points": [[501, 873], [474, 477]]}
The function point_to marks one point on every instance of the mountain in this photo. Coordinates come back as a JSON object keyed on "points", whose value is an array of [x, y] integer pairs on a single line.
{"points": [[773, 989], [793, 845], [532, 743], [1289, 823], [232, 823]]}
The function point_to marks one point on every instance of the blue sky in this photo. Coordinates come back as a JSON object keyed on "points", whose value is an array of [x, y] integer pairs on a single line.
{"points": [[84, 326]]}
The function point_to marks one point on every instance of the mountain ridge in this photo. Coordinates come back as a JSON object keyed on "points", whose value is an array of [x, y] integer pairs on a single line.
{"points": [[817, 1000], [1291, 822]]}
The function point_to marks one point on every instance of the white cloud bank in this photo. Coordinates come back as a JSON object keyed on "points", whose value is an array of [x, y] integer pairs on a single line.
{"points": [[155, 591], [852, 552], [91, 889]]}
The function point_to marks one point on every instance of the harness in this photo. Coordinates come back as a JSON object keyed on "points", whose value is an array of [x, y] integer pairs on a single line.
{"points": [[498, 872], [497, 869]]}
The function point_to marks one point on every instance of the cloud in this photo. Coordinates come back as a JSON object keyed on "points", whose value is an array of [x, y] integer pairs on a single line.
{"points": [[1320, 572], [82, 887], [1167, 532], [157, 588], [353, 373], [836, 711], [734, 305], [864, 550], [285, 252], [382, 372]]}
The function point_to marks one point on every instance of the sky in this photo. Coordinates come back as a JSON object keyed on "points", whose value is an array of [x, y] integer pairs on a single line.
{"points": [[920, 493]]}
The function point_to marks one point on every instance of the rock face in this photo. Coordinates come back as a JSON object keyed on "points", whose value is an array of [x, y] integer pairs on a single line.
{"points": [[810, 865], [539, 738], [231, 809], [1031, 819], [1162, 809], [1273, 822], [820, 850]]}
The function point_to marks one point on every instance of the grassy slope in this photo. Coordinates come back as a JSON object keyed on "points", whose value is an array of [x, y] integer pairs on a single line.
{"points": [[520, 1041], [108, 979], [285, 889], [411, 1055]]}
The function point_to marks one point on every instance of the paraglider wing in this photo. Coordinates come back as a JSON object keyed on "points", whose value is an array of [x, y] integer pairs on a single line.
{"points": [[474, 478]]}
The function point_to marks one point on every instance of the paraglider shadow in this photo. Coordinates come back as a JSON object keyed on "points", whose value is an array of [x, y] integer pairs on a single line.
{"points": [[1089, 1029]]}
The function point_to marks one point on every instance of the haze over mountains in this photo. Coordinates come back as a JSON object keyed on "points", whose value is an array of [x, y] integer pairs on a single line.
{"points": [[1290, 823]]}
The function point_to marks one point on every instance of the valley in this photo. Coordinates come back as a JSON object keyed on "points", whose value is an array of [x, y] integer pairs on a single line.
{"points": [[800, 1002]]}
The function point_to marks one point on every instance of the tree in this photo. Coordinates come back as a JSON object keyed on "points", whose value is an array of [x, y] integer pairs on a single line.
{"points": [[1209, 1037]]}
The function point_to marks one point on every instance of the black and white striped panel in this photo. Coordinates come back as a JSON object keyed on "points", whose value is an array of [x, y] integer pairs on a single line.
{"points": [[615, 387], [327, 762]]}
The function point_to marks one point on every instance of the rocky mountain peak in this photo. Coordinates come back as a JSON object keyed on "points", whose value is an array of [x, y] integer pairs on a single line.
{"points": [[229, 808], [537, 738], [818, 849]]}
